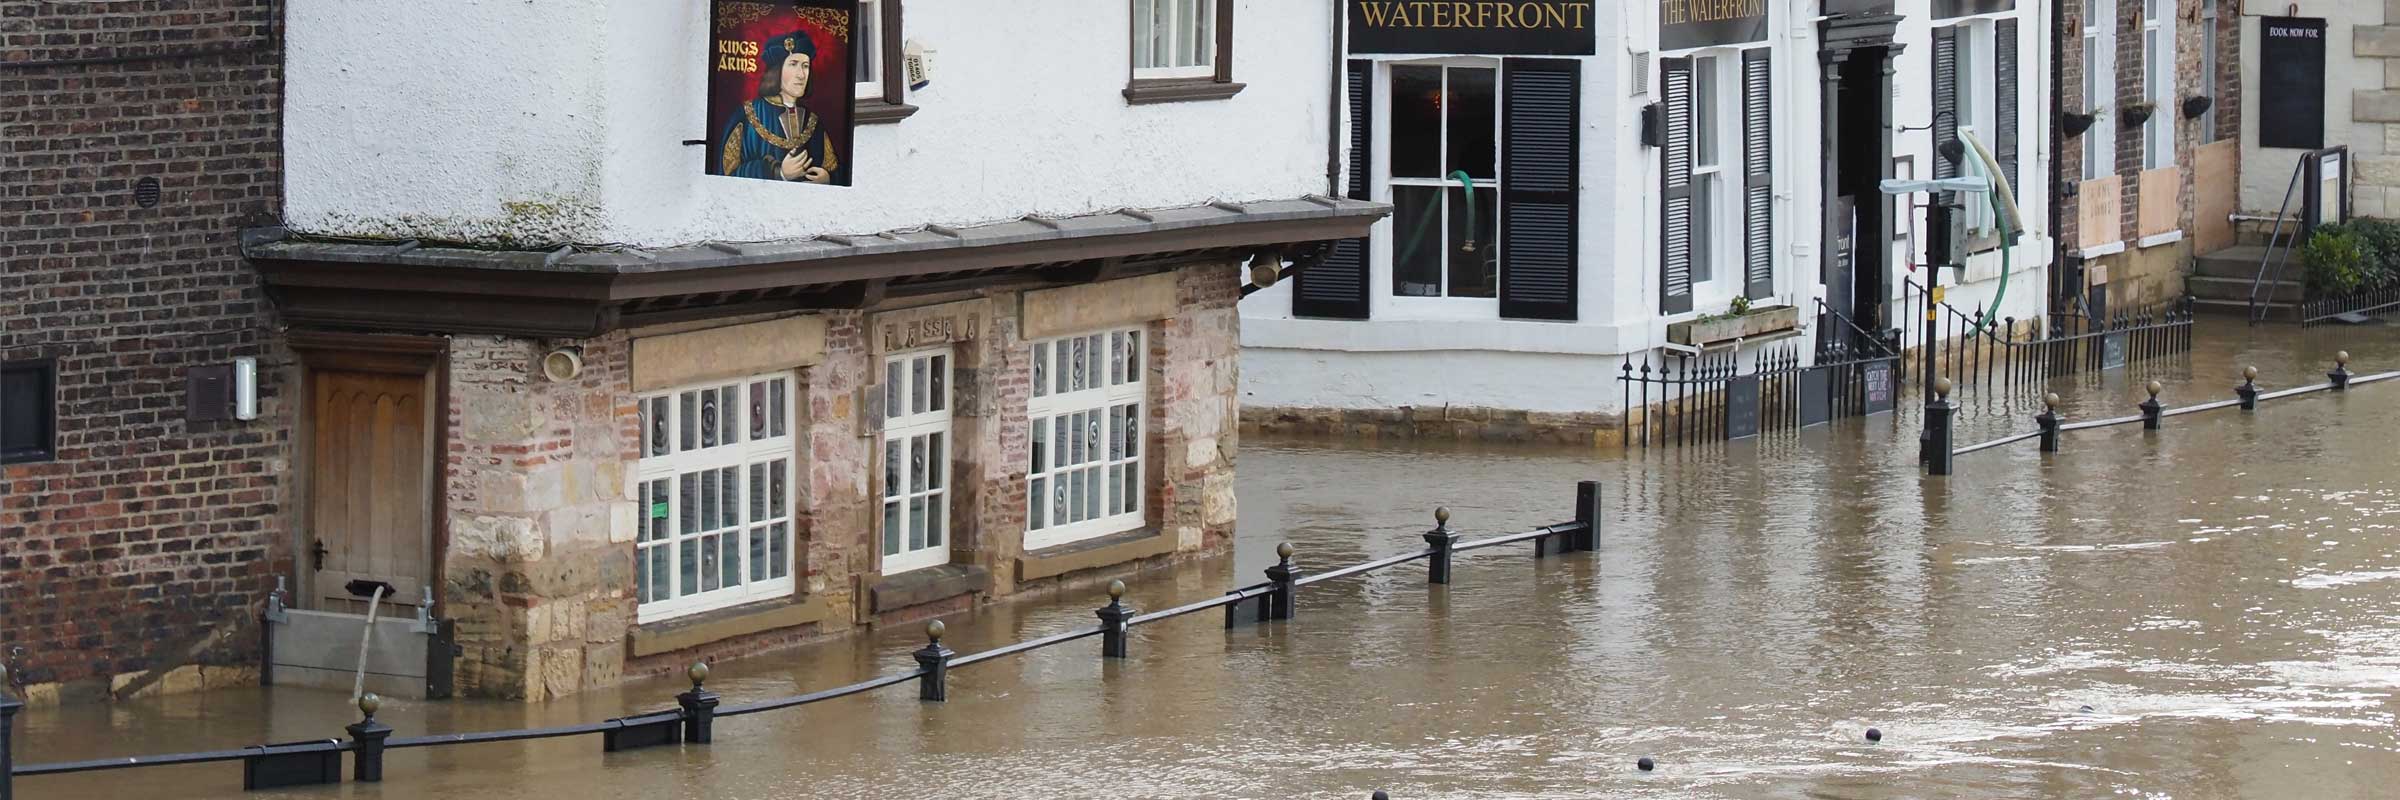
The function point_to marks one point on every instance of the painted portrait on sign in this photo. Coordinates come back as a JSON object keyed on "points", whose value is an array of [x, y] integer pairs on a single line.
{"points": [[780, 91]]}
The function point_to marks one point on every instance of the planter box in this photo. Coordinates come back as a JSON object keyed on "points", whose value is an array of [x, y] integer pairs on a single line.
{"points": [[1759, 322]]}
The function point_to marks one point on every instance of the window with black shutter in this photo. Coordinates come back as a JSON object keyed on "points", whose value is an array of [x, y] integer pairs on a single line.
{"points": [[1758, 177], [28, 411], [1540, 114], [2004, 146], [1675, 186], [1336, 287], [1945, 101]]}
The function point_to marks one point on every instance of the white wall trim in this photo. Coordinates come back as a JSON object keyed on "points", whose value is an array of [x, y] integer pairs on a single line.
{"points": [[2110, 249], [2170, 237]]}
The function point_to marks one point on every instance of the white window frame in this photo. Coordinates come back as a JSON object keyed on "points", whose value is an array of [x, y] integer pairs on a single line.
{"points": [[2158, 78], [914, 491], [1112, 407], [866, 51], [1175, 38], [1477, 307], [1978, 93], [1718, 271], [2100, 88], [765, 454]]}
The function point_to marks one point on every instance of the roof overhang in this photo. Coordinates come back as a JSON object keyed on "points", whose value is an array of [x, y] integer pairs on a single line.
{"points": [[572, 292]]}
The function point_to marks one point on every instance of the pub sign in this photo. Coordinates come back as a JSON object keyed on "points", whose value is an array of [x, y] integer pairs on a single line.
{"points": [[780, 89], [1473, 27], [1685, 24]]}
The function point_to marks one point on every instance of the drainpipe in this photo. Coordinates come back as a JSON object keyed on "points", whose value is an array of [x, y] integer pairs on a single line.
{"points": [[2058, 138], [1335, 112]]}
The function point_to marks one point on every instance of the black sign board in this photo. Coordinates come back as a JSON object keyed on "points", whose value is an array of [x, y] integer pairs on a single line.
{"points": [[1946, 9], [2291, 82], [1473, 27], [1816, 396], [1882, 390], [274, 766], [1863, 8], [2112, 351], [1741, 407], [1685, 24]]}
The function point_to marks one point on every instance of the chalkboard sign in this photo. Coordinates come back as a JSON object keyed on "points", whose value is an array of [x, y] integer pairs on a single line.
{"points": [[1882, 390], [2112, 351], [1741, 407], [2291, 82], [1816, 396]]}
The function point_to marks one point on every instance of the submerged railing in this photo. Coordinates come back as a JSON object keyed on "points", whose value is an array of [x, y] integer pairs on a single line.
{"points": [[2050, 425], [692, 720]]}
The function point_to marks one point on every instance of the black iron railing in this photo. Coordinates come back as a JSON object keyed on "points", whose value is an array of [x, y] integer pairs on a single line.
{"points": [[2320, 310], [1726, 395], [2308, 182], [692, 720], [1997, 355], [2151, 414]]}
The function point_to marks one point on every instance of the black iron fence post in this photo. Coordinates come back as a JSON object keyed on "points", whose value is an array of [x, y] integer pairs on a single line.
{"points": [[934, 659], [1587, 511], [366, 741], [1937, 428], [1443, 540], [2341, 371], [2048, 419], [9, 706], [699, 707], [2152, 412], [1283, 574], [1113, 625], [2249, 389]]}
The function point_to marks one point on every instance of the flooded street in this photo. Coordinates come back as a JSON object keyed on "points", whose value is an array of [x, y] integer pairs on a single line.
{"points": [[2210, 611]]}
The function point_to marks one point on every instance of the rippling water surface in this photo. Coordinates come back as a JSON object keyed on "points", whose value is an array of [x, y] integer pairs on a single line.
{"points": [[2209, 612]]}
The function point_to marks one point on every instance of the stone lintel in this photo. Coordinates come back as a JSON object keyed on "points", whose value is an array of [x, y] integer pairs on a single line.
{"points": [[733, 351], [1090, 307]]}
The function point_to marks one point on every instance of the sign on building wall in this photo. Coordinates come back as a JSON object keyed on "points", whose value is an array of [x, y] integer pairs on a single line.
{"points": [[1473, 27], [1836, 8], [2291, 82], [779, 89], [1950, 9], [1685, 24]]}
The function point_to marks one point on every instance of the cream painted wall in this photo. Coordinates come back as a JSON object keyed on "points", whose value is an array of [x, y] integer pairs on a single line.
{"points": [[512, 122], [2267, 173]]}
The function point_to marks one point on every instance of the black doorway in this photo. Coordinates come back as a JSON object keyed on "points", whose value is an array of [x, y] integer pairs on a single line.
{"points": [[1861, 159]]}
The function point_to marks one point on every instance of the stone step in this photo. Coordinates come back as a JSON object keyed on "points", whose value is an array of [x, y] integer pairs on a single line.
{"points": [[2208, 287], [2279, 312], [2241, 262]]}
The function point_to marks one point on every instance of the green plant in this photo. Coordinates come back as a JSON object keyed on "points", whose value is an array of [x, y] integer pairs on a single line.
{"points": [[2337, 260], [2382, 238], [1741, 305]]}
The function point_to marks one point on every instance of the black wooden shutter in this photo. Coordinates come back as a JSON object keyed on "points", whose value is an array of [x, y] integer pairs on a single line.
{"points": [[1758, 176], [2004, 140], [1675, 187], [1945, 99], [1540, 111], [1337, 286]]}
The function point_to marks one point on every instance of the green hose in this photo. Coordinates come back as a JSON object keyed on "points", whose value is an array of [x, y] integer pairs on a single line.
{"points": [[1410, 248], [2000, 217]]}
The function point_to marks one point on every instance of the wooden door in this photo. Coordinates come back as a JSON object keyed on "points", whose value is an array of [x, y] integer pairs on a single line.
{"points": [[370, 511]]}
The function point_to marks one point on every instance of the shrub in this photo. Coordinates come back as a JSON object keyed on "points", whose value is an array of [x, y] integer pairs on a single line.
{"points": [[2382, 239], [2338, 260]]}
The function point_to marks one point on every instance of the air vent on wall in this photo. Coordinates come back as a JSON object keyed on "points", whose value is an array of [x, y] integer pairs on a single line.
{"points": [[1641, 73], [145, 192]]}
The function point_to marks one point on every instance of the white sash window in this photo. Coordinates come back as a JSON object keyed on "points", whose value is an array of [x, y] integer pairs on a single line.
{"points": [[715, 496], [916, 461], [1087, 419]]}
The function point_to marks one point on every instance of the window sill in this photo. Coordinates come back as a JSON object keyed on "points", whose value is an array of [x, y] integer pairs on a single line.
{"points": [[2110, 249], [2170, 237], [917, 587], [1103, 551], [1148, 91], [684, 633], [880, 112]]}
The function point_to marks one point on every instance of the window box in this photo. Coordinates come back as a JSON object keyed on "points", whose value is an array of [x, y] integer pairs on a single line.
{"points": [[1759, 322]]}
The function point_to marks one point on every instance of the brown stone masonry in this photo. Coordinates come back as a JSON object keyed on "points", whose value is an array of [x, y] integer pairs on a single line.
{"points": [[146, 530]]}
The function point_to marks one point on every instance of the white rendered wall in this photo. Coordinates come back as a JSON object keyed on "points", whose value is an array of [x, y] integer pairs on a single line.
{"points": [[519, 122], [1540, 382]]}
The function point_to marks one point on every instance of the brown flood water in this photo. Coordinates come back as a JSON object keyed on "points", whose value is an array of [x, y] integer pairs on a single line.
{"points": [[2211, 612]]}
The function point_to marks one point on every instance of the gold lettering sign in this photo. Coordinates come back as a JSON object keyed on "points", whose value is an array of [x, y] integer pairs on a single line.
{"points": [[1686, 24], [1487, 27]]}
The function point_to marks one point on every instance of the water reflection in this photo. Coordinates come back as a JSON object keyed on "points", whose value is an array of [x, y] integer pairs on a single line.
{"points": [[2206, 612]]}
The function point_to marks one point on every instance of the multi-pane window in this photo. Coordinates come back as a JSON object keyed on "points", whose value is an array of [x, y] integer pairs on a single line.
{"points": [[1445, 182], [1174, 38], [1087, 420], [715, 496], [916, 460], [2158, 83], [28, 416], [2099, 88], [1708, 164]]}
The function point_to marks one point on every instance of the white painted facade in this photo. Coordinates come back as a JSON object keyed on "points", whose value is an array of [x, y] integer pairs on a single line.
{"points": [[503, 121], [1436, 352]]}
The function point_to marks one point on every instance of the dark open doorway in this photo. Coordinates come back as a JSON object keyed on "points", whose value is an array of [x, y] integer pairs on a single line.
{"points": [[1862, 159]]}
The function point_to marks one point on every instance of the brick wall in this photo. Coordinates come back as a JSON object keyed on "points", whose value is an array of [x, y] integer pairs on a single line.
{"points": [[147, 530]]}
